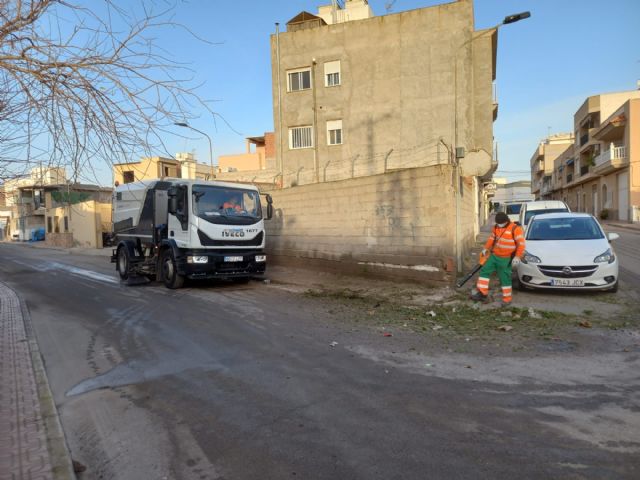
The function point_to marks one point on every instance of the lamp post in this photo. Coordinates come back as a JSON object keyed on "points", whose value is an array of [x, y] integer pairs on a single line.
{"points": [[186, 125], [455, 153]]}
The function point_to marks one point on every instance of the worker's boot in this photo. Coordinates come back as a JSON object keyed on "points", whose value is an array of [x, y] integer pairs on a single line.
{"points": [[478, 296]]}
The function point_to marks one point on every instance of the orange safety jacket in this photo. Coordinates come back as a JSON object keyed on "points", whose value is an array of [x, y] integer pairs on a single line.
{"points": [[507, 240]]}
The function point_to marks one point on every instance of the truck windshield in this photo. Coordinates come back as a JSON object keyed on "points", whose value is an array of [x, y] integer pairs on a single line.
{"points": [[226, 205]]}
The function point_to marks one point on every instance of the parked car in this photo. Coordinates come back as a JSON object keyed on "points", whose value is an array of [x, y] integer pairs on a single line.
{"points": [[530, 209], [568, 250]]}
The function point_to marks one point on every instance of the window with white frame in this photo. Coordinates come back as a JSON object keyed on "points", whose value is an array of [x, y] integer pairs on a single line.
{"points": [[299, 79], [301, 137], [332, 73], [334, 132]]}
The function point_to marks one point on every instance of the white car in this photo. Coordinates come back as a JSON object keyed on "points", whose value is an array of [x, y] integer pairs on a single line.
{"points": [[512, 209], [568, 250]]}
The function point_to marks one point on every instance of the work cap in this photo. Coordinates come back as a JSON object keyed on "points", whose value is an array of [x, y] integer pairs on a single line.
{"points": [[502, 217]]}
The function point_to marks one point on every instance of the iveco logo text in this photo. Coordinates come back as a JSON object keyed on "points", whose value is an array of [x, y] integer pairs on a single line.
{"points": [[236, 232]]}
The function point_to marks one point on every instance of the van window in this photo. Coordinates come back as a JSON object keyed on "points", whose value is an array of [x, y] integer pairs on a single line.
{"points": [[531, 213], [513, 209]]}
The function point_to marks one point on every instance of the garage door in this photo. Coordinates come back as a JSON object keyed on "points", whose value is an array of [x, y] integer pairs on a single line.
{"points": [[623, 196]]}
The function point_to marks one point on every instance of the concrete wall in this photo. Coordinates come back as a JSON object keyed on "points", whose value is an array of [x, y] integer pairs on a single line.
{"points": [[403, 78], [398, 224]]}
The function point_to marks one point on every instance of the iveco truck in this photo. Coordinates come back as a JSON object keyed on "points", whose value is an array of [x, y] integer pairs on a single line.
{"points": [[172, 229]]}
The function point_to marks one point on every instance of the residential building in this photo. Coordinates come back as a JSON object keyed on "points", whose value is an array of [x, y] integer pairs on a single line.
{"points": [[183, 165], [24, 196], [70, 214], [600, 172], [384, 137], [260, 155], [5, 214], [542, 163], [347, 104], [518, 191], [77, 215]]}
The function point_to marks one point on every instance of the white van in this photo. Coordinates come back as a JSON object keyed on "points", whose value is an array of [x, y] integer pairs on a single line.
{"points": [[512, 209], [529, 209]]}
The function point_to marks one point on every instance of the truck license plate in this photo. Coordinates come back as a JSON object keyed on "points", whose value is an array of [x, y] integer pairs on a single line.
{"points": [[567, 282], [233, 259]]}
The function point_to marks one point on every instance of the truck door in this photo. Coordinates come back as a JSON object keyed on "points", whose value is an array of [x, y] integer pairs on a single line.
{"points": [[179, 223]]}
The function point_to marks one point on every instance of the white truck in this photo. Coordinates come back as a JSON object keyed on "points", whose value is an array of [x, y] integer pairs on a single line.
{"points": [[171, 229]]}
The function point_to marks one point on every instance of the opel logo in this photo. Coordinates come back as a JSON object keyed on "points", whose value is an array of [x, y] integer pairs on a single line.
{"points": [[567, 271]]}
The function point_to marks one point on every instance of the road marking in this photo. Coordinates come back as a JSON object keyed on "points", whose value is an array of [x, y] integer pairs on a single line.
{"points": [[48, 266], [100, 277]]}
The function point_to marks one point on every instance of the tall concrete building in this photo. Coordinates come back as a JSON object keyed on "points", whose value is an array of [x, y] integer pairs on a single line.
{"points": [[356, 95]]}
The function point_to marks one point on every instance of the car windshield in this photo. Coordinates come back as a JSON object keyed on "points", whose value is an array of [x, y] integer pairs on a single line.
{"points": [[531, 213], [571, 228], [226, 205], [513, 209]]}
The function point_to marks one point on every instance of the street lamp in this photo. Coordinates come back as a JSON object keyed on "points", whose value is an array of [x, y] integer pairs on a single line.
{"points": [[186, 125], [456, 153]]}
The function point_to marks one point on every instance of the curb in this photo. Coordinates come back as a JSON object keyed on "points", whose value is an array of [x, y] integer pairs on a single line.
{"points": [[51, 460]]}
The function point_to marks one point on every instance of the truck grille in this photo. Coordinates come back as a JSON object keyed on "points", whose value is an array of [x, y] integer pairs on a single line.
{"points": [[578, 271], [206, 241]]}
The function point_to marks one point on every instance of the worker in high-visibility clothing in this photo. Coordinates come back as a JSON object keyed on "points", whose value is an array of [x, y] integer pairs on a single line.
{"points": [[506, 246]]}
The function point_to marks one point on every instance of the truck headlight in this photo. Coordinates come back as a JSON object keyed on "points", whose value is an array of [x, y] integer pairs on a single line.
{"points": [[606, 257], [528, 258], [197, 259], [261, 258]]}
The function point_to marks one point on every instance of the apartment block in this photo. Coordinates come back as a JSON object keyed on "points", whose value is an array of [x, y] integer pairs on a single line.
{"points": [[356, 94], [260, 155], [542, 163], [600, 172]]}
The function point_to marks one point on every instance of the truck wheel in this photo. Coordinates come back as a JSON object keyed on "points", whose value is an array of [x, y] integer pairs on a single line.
{"points": [[123, 263], [170, 275]]}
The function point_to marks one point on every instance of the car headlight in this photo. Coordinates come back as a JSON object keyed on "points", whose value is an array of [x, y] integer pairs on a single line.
{"points": [[197, 259], [606, 257], [529, 258]]}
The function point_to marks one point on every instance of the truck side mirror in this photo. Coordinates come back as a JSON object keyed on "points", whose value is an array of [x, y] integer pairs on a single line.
{"points": [[269, 206]]}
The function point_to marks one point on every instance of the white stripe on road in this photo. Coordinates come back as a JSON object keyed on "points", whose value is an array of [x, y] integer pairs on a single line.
{"points": [[48, 266]]}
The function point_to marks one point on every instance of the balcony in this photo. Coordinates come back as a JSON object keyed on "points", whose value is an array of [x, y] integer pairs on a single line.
{"points": [[569, 177], [610, 160], [584, 169]]}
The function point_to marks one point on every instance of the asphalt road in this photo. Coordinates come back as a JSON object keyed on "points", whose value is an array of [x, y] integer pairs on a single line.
{"points": [[627, 247], [224, 381]]}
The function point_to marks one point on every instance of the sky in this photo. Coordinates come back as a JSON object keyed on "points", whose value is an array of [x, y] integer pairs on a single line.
{"points": [[547, 65]]}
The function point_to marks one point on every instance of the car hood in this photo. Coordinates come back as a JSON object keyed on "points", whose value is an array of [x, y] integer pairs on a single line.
{"points": [[567, 252]]}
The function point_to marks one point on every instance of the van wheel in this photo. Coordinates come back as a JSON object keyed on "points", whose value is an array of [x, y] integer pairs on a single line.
{"points": [[123, 263], [170, 275]]}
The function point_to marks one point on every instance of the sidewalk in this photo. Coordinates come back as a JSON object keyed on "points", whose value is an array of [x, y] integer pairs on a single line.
{"points": [[627, 226], [32, 443]]}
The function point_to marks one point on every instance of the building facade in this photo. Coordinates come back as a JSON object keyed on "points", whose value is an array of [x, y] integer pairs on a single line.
{"points": [[599, 173], [367, 96], [260, 155], [384, 135], [184, 165]]}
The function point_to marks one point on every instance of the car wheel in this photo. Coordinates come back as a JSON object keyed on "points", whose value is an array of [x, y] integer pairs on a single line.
{"points": [[170, 275], [122, 263], [614, 289], [518, 285]]}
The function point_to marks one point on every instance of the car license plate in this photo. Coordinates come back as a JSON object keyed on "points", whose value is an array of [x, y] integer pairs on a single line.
{"points": [[233, 259], [567, 282]]}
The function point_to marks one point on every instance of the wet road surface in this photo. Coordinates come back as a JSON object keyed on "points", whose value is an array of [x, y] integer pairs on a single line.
{"points": [[240, 382]]}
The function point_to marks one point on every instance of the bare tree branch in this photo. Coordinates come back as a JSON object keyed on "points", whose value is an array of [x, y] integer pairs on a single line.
{"points": [[82, 86]]}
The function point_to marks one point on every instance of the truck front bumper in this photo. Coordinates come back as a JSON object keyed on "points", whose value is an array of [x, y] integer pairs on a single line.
{"points": [[231, 264]]}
